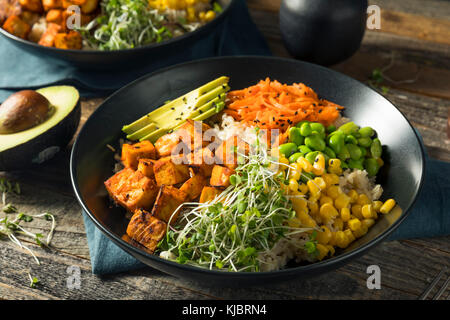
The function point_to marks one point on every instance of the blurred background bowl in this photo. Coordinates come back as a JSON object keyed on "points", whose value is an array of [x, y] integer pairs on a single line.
{"points": [[123, 58]]}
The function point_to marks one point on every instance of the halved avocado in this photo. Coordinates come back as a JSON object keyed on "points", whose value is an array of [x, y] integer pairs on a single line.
{"points": [[41, 142]]}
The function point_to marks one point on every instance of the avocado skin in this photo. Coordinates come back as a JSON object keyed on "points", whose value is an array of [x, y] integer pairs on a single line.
{"points": [[21, 156]]}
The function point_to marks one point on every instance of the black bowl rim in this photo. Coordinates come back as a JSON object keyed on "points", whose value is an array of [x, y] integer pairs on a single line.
{"points": [[169, 42], [328, 263]]}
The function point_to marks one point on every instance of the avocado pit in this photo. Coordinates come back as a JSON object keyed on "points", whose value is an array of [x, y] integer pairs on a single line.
{"points": [[23, 110]]}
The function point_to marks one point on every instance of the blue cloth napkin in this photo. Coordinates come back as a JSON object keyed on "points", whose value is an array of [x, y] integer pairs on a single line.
{"points": [[22, 70]]}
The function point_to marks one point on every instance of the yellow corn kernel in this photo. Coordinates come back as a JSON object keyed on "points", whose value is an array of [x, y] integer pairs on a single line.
{"points": [[284, 160], [363, 199], [331, 178], [368, 222], [377, 205], [320, 183], [210, 15], [354, 224], [323, 251], [345, 214], [299, 203], [387, 206], [294, 174], [190, 15], [305, 164], [324, 236], [310, 223], [293, 185], [319, 165], [294, 223], [303, 188], [341, 239], [367, 211], [332, 241], [334, 166], [324, 199], [353, 195], [356, 211], [201, 15], [348, 233], [331, 249], [338, 224], [328, 212], [342, 201], [313, 207], [313, 189], [361, 231], [333, 191]]}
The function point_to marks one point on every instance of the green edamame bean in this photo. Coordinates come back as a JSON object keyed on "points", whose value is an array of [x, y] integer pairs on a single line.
{"points": [[331, 128], [354, 151], [366, 132], [350, 139], [376, 149], [336, 141], [295, 136], [306, 176], [355, 164], [288, 149], [344, 165], [305, 129], [363, 151], [298, 125], [327, 157], [329, 152], [315, 142], [365, 142], [344, 154], [311, 156], [293, 158], [304, 149], [371, 165], [317, 126], [348, 128]]}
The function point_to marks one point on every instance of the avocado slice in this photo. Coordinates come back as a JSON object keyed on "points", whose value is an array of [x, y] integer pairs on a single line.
{"points": [[39, 143], [175, 112]]}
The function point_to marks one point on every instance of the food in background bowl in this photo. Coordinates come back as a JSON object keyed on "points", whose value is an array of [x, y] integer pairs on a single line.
{"points": [[105, 24], [281, 177]]}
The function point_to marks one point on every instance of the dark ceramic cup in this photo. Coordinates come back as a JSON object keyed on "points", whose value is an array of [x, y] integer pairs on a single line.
{"points": [[323, 31]]}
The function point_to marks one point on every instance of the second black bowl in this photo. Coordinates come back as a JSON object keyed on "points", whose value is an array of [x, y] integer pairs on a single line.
{"points": [[122, 58]]}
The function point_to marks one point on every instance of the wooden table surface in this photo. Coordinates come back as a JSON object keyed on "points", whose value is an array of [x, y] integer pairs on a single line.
{"points": [[414, 41]]}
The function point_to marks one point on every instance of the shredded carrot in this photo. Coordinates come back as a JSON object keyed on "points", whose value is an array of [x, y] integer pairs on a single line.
{"points": [[272, 105]]}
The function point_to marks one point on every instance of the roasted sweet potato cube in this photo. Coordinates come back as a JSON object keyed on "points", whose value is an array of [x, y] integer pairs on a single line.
{"points": [[48, 38], [220, 176], [146, 229], [168, 200], [203, 160], [131, 153], [191, 132], [166, 144], [9, 8], [29, 17], [68, 3], [208, 194], [132, 190], [31, 5], [194, 186], [169, 173], [55, 16], [146, 167], [17, 27], [52, 4], [89, 6], [71, 40], [226, 153]]}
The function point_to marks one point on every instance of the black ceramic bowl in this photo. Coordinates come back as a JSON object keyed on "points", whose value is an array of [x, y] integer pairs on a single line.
{"points": [[92, 162], [123, 58]]}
